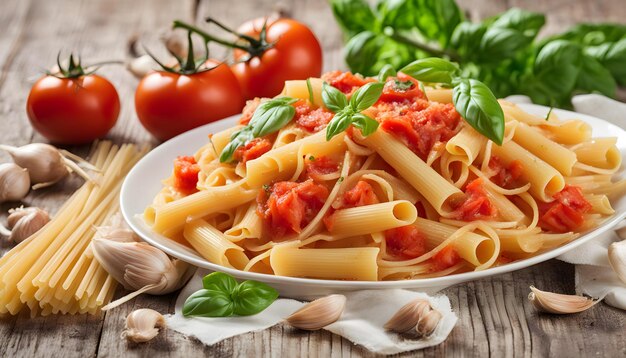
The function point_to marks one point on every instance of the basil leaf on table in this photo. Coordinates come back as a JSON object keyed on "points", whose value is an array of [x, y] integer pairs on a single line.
{"points": [[209, 303], [366, 96], [219, 281], [476, 103], [333, 98], [252, 297], [432, 69]]}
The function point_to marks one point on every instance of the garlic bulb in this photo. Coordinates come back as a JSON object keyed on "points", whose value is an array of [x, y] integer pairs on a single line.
{"points": [[428, 323], [142, 325], [558, 303], [319, 313], [23, 222], [408, 316], [116, 230], [46, 164], [141, 267], [14, 182], [617, 259], [141, 66]]}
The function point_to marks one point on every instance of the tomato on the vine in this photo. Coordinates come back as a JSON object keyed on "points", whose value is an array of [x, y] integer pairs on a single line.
{"points": [[73, 107]]}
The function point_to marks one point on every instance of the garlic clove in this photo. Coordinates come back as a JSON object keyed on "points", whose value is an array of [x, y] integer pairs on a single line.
{"points": [[428, 323], [142, 325], [621, 232], [617, 259], [319, 313], [116, 230], [25, 222], [141, 66], [558, 303], [14, 182], [408, 316]]}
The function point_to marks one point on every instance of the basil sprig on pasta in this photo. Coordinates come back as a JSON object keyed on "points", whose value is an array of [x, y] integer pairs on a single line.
{"points": [[349, 112], [268, 118], [222, 296], [472, 99]]}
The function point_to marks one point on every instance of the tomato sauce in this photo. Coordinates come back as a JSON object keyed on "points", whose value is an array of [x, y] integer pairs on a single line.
{"points": [[402, 88], [287, 207], [362, 194], [248, 110], [346, 82], [476, 205], [311, 119], [566, 212], [445, 258], [254, 149], [405, 242], [505, 176], [186, 174], [318, 166]]}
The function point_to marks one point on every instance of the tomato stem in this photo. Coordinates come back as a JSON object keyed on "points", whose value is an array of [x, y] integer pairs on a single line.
{"points": [[250, 39], [206, 36]]}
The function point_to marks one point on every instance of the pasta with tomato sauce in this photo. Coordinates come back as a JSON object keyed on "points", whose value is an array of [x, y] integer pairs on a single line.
{"points": [[425, 195]]}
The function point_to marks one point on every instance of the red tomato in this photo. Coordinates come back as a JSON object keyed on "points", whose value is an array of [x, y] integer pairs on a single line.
{"points": [[405, 242], [186, 174], [346, 82], [566, 212], [295, 55], [73, 110], [362, 194], [168, 104], [445, 258], [401, 88], [505, 176], [289, 207], [254, 149], [476, 205], [316, 167]]}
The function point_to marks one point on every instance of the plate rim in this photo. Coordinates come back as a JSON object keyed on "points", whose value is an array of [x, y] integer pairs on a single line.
{"points": [[146, 234]]}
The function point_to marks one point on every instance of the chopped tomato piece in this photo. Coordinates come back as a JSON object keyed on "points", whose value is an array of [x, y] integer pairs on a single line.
{"points": [[401, 88], [254, 149], [288, 206], [505, 175], [316, 167], [362, 194], [445, 258], [566, 212], [186, 174], [405, 242], [346, 82], [248, 110], [476, 205], [311, 119]]}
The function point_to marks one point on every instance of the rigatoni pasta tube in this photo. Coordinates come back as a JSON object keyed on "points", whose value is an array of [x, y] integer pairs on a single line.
{"points": [[601, 153], [435, 189], [171, 217], [367, 219], [467, 144], [357, 263], [300, 89], [250, 226], [545, 181], [559, 157], [441, 95], [569, 132], [214, 246]]}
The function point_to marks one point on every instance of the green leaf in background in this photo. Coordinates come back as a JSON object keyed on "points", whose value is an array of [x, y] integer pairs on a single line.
{"points": [[593, 34], [466, 39], [219, 281], [252, 297], [501, 43], [366, 96], [432, 69], [366, 124], [340, 122], [362, 50], [386, 71], [526, 22], [400, 14], [208, 303], [333, 98], [353, 16], [480, 108], [556, 69], [594, 77], [612, 56], [437, 19]]}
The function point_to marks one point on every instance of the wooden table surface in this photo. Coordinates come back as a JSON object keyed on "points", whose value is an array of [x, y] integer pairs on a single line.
{"points": [[495, 318]]}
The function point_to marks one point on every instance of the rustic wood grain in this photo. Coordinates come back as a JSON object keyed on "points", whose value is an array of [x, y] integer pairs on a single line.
{"points": [[495, 319]]}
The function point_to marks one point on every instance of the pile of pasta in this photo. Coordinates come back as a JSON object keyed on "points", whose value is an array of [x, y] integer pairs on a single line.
{"points": [[220, 220], [54, 270]]}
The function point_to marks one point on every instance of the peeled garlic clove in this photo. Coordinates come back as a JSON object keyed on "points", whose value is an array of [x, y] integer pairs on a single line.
{"points": [[408, 316], [558, 303], [25, 222], [617, 259], [14, 182], [319, 313], [428, 323], [142, 325]]}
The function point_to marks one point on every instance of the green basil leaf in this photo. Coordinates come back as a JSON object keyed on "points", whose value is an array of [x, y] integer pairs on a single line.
{"points": [[238, 139], [399, 14], [333, 98], [466, 38], [366, 96], [362, 51], [272, 115], [612, 56], [556, 70], [353, 16], [501, 43], [432, 69], [594, 77], [340, 122], [526, 22], [309, 89], [219, 281], [592, 34], [208, 303], [252, 297], [437, 19], [386, 71], [366, 124], [480, 108]]}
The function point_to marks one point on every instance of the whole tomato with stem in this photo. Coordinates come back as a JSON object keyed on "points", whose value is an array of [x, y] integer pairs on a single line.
{"points": [[72, 106], [177, 99], [268, 52]]}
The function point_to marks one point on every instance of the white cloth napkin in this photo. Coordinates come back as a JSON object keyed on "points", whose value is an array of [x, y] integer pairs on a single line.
{"points": [[594, 275], [362, 321]]}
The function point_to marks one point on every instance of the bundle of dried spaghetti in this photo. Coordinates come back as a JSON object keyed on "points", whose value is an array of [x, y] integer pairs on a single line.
{"points": [[54, 271]]}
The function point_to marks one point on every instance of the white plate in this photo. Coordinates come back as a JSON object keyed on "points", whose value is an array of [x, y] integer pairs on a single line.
{"points": [[144, 182]]}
